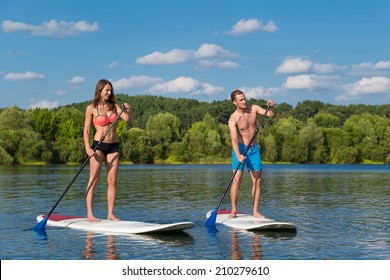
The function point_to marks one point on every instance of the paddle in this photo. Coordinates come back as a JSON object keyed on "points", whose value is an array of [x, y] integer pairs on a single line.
{"points": [[41, 225], [213, 217]]}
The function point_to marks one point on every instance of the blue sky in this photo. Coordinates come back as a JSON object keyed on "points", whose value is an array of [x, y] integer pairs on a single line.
{"points": [[53, 52]]}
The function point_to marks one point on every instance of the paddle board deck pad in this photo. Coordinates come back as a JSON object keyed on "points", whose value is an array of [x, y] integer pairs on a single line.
{"points": [[249, 222], [112, 227]]}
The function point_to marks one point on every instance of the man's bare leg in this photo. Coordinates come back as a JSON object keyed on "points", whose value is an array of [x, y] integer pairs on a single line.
{"points": [[235, 193], [256, 193]]}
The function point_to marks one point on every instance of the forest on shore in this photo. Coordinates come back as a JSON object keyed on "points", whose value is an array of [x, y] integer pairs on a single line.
{"points": [[179, 130]]}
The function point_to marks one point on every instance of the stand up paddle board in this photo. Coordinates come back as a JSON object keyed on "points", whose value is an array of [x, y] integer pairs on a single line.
{"points": [[249, 222], [113, 227]]}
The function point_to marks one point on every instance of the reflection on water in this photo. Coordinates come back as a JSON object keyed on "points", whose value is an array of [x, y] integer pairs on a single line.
{"points": [[89, 252], [341, 212], [236, 253], [93, 241], [240, 244]]}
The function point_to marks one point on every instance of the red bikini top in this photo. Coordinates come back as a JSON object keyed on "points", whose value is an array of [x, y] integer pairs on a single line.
{"points": [[103, 120]]}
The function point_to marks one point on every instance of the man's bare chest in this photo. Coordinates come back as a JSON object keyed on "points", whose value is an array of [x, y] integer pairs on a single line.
{"points": [[246, 122]]}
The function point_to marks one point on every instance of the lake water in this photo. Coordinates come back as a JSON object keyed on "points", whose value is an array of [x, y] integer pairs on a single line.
{"points": [[342, 212]]}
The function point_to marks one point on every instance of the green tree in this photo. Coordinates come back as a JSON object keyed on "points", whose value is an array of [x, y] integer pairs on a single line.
{"points": [[69, 150], [163, 130], [284, 110], [137, 147], [340, 146], [307, 109], [44, 123], [32, 148], [286, 133], [311, 145], [13, 118], [328, 120], [368, 132], [15, 132], [270, 150], [5, 158], [386, 144], [201, 143], [70, 123], [226, 144]]}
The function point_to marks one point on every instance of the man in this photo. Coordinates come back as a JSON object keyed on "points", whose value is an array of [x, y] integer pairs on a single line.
{"points": [[242, 125]]}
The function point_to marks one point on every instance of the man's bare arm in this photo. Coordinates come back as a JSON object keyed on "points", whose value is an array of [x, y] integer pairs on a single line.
{"points": [[234, 138]]}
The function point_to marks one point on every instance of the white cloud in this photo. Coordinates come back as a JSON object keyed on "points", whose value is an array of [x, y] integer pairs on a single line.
{"points": [[45, 104], [251, 25], [260, 92], [113, 64], [11, 53], [327, 68], [363, 66], [185, 85], [300, 65], [51, 28], [9, 26], [294, 65], [309, 82], [60, 92], [134, 82], [29, 75], [180, 84], [217, 64], [210, 89], [76, 80], [174, 56], [366, 86], [370, 69], [299, 82], [159, 86], [382, 65], [211, 51]]}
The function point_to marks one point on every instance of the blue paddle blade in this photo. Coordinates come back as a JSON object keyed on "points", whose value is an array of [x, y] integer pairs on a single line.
{"points": [[211, 220], [41, 225]]}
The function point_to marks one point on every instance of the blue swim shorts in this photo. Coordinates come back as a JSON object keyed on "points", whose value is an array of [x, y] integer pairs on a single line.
{"points": [[252, 160]]}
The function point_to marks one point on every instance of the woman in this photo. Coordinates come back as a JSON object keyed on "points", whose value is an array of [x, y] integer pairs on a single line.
{"points": [[102, 113]]}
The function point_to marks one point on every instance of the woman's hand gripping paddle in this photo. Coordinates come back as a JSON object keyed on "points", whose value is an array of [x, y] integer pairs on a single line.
{"points": [[42, 224], [213, 217]]}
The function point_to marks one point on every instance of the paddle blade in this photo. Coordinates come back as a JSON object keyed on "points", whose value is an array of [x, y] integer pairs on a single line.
{"points": [[41, 225], [211, 220]]}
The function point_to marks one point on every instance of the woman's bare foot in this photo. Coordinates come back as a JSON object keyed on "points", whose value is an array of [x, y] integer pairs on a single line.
{"points": [[112, 218], [232, 215], [258, 215], [93, 219]]}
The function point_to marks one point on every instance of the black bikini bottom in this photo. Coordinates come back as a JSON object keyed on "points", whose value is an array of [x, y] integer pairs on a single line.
{"points": [[106, 148]]}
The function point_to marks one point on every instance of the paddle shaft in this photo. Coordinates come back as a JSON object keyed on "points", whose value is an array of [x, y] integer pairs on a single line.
{"points": [[246, 151], [84, 164]]}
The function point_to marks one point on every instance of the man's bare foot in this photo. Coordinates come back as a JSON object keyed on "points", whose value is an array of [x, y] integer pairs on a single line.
{"points": [[112, 218], [258, 215], [93, 219]]}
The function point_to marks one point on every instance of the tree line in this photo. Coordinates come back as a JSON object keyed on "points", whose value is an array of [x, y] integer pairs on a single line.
{"points": [[169, 130]]}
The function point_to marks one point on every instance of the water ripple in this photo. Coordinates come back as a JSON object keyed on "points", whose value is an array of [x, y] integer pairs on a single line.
{"points": [[341, 212]]}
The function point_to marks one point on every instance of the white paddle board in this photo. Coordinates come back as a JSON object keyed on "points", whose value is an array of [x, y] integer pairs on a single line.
{"points": [[112, 227], [249, 222]]}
